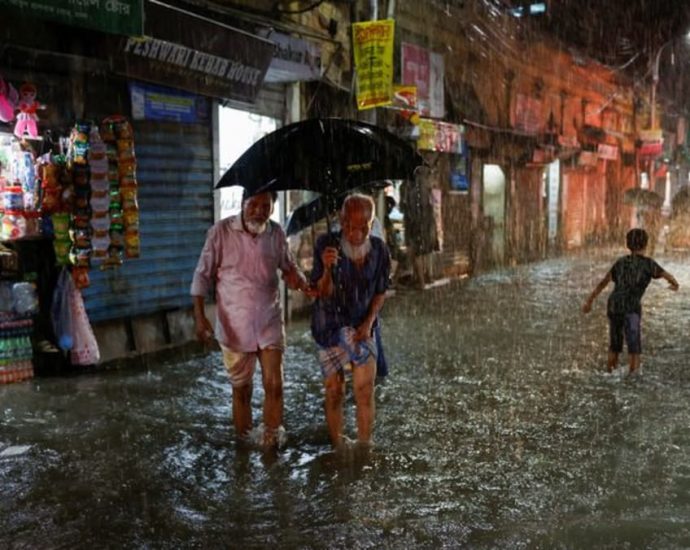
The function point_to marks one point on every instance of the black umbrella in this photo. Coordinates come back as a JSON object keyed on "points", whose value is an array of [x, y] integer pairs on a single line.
{"points": [[311, 212], [327, 155]]}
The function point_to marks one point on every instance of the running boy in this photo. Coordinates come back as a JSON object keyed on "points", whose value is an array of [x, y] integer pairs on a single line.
{"points": [[631, 275]]}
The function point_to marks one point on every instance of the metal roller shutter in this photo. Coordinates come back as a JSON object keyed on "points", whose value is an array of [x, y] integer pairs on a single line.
{"points": [[175, 177]]}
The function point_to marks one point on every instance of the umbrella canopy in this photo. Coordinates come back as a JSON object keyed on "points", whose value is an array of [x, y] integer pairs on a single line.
{"points": [[642, 198], [327, 155], [311, 212]]}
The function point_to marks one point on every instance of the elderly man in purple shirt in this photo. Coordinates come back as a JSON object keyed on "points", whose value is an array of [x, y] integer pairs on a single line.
{"points": [[241, 258], [351, 272]]}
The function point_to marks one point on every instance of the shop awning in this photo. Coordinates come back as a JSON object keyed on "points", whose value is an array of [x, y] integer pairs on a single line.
{"points": [[183, 50]]}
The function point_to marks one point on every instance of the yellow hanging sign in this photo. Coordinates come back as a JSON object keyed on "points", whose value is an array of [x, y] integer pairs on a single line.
{"points": [[373, 52]]}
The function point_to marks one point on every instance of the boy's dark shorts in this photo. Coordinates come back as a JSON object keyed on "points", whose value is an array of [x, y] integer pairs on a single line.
{"points": [[627, 324]]}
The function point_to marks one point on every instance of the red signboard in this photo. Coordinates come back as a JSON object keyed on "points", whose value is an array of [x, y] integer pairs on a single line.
{"points": [[416, 71], [528, 114]]}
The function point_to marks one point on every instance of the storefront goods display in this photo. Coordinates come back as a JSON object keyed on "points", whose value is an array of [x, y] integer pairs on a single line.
{"points": [[71, 324], [85, 200], [27, 119], [8, 100], [19, 195], [18, 303], [118, 135]]}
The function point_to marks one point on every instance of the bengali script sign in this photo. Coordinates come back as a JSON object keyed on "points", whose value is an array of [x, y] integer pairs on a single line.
{"points": [[373, 53]]}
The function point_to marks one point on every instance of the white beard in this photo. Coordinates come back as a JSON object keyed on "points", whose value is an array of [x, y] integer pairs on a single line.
{"points": [[256, 228], [355, 253]]}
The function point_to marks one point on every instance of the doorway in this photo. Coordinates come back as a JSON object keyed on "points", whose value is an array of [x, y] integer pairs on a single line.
{"points": [[237, 131], [494, 200]]}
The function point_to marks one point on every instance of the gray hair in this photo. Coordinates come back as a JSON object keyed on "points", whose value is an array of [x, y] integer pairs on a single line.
{"points": [[358, 200]]}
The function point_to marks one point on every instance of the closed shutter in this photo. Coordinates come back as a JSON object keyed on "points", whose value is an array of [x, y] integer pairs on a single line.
{"points": [[270, 102], [175, 177]]}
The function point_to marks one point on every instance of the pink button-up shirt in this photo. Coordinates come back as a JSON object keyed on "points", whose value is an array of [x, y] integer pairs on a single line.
{"points": [[244, 270]]}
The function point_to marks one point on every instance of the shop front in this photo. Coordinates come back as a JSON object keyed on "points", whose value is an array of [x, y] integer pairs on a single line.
{"points": [[109, 177]]}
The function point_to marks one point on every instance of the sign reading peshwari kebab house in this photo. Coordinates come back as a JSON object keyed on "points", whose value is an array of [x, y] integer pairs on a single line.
{"points": [[187, 52]]}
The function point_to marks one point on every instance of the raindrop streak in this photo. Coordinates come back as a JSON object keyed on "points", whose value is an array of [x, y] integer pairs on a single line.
{"points": [[497, 427]]}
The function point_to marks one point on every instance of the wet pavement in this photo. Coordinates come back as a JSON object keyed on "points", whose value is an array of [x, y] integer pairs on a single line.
{"points": [[497, 427]]}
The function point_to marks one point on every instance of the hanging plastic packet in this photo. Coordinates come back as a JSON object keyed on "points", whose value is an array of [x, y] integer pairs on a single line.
{"points": [[24, 298]]}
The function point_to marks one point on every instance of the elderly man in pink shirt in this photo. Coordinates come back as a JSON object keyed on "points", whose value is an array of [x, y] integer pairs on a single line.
{"points": [[241, 259]]}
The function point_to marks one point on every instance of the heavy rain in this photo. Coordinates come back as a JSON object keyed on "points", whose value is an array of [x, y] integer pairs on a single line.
{"points": [[160, 223]]}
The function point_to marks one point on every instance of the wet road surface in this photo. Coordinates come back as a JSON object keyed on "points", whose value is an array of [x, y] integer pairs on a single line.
{"points": [[497, 427]]}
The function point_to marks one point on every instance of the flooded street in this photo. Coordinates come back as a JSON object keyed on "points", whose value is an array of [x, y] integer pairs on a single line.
{"points": [[497, 428]]}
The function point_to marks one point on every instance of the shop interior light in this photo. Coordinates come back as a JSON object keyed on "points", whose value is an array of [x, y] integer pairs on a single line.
{"points": [[536, 8]]}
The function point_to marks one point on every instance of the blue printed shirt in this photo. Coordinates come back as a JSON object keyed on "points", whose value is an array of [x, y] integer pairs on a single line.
{"points": [[354, 289]]}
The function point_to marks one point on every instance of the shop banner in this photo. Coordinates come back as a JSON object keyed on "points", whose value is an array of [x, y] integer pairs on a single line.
{"points": [[416, 71], [404, 97], [294, 59], [528, 114], [184, 51], [151, 102], [587, 158], [437, 104], [440, 136], [372, 43], [110, 16], [607, 152]]}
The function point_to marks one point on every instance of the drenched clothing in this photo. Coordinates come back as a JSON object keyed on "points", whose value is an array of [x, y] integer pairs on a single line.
{"points": [[631, 275], [243, 268], [240, 366], [416, 203], [354, 289], [628, 325], [347, 353]]}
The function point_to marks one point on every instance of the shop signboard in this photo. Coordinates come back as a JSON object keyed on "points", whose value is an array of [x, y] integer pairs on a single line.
{"points": [[404, 97], [110, 16], [416, 71], [528, 114], [294, 59], [439, 136], [437, 105], [587, 158], [194, 54], [607, 152], [150, 102], [372, 43]]}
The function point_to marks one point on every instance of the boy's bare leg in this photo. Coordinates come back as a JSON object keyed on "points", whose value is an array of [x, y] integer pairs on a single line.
{"points": [[634, 362], [612, 361]]}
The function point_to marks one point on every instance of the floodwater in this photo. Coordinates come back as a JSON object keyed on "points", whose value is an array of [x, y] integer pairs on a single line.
{"points": [[497, 428]]}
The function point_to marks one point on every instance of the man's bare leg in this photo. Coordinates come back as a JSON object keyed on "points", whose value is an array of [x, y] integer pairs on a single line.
{"points": [[363, 387], [242, 409], [272, 377], [335, 391]]}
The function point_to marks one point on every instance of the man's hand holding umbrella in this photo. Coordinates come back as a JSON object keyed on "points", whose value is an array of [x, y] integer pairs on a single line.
{"points": [[329, 257]]}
